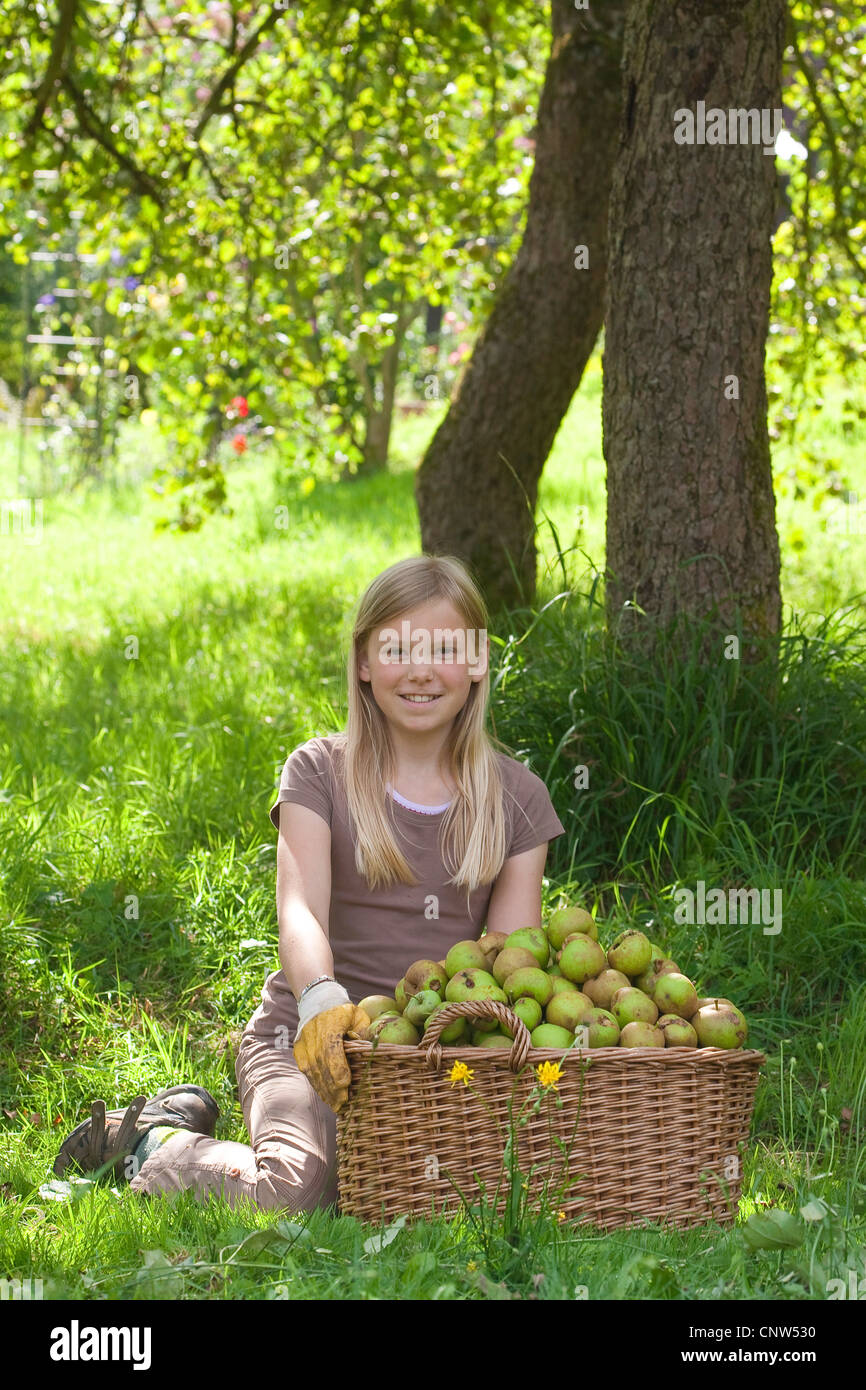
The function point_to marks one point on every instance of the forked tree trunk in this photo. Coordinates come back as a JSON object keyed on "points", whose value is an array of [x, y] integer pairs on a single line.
{"points": [[690, 507], [478, 483]]}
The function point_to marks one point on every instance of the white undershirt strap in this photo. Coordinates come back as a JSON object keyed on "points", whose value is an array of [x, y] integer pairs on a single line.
{"points": [[414, 806]]}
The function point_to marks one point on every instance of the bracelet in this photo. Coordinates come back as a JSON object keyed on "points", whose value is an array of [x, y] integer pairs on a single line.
{"points": [[318, 981]]}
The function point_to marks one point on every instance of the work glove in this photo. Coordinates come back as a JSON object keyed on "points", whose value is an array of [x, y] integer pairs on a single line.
{"points": [[326, 1014]]}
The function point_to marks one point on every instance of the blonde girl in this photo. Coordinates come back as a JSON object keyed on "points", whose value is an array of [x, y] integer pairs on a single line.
{"points": [[402, 835]]}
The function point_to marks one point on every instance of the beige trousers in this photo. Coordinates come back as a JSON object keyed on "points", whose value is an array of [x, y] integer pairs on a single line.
{"points": [[290, 1162]]}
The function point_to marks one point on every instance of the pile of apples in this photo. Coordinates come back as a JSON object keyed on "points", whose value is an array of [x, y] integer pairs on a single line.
{"points": [[561, 983]]}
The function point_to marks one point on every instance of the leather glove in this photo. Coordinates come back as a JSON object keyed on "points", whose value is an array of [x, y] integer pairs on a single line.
{"points": [[320, 1053]]}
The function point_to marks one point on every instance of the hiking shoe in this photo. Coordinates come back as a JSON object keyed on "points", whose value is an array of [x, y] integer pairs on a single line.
{"points": [[109, 1136]]}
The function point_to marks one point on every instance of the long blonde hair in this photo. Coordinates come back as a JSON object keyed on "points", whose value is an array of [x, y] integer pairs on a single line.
{"points": [[472, 833]]}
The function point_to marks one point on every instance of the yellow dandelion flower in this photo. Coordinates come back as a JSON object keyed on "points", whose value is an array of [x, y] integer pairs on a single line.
{"points": [[560, 1216], [460, 1072], [549, 1073], [472, 1266]]}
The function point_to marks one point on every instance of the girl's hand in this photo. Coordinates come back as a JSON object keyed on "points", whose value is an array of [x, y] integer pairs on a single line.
{"points": [[326, 1015]]}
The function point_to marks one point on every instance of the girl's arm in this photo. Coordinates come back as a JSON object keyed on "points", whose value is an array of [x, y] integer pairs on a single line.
{"points": [[516, 898], [303, 895]]}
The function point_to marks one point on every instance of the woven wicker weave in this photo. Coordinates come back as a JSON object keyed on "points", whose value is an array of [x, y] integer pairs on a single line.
{"points": [[659, 1134]]}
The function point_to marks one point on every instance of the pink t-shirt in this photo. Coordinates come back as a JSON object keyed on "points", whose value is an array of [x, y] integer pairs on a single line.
{"points": [[376, 934]]}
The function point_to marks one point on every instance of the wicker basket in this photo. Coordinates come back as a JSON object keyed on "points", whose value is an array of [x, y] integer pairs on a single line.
{"points": [[659, 1133]]}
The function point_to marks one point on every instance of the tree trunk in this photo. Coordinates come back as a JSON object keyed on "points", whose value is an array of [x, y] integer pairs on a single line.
{"points": [[379, 405], [690, 508], [477, 485], [377, 426]]}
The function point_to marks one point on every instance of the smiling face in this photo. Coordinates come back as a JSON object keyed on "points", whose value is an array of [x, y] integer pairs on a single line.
{"points": [[421, 666]]}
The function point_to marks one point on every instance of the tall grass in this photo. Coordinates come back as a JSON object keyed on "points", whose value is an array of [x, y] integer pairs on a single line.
{"points": [[137, 862]]}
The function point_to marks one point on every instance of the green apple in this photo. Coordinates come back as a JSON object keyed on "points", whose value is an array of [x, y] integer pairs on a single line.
{"points": [[464, 955], [603, 987], [421, 1006], [528, 1011], [714, 999], [512, 958], [659, 965], [376, 1004], [485, 1025], [491, 943], [424, 974], [473, 984], [532, 939], [568, 1010], [631, 952], [492, 1040], [678, 1031], [675, 994], [548, 1035], [530, 983], [566, 921], [561, 985], [602, 1029], [402, 994], [630, 1005], [581, 959], [720, 1025], [453, 1032], [394, 1030], [639, 1034]]}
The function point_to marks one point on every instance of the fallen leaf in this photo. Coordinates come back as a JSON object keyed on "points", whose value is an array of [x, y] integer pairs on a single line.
{"points": [[815, 1210], [158, 1277], [253, 1245], [374, 1244]]}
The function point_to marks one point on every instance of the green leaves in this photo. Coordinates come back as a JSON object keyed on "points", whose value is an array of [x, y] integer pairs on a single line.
{"points": [[366, 146], [773, 1230], [273, 1240]]}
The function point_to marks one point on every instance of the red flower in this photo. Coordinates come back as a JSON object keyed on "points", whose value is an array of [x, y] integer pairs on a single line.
{"points": [[239, 444], [240, 406]]}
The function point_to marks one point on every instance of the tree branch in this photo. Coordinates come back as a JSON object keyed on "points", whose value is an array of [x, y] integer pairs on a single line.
{"points": [[43, 94], [231, 72], [93, 126]]}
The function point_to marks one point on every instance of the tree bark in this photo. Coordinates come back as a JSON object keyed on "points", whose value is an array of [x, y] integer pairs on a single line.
{"points": [[379, 409], [690, 507], [477, 485], [377, 432]]}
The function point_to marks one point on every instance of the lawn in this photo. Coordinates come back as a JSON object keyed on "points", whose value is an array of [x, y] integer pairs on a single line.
{"points": [[151, 686]]}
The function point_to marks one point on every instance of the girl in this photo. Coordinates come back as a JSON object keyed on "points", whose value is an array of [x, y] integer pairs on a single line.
{"points": [[397, 838]]}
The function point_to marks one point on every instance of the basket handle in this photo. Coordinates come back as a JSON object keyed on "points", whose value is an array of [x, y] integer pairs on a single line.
{"points": [[479, 1008]]}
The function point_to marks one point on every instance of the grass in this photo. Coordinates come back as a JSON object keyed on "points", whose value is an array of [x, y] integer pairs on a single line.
{"points": [[151, 687]]}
